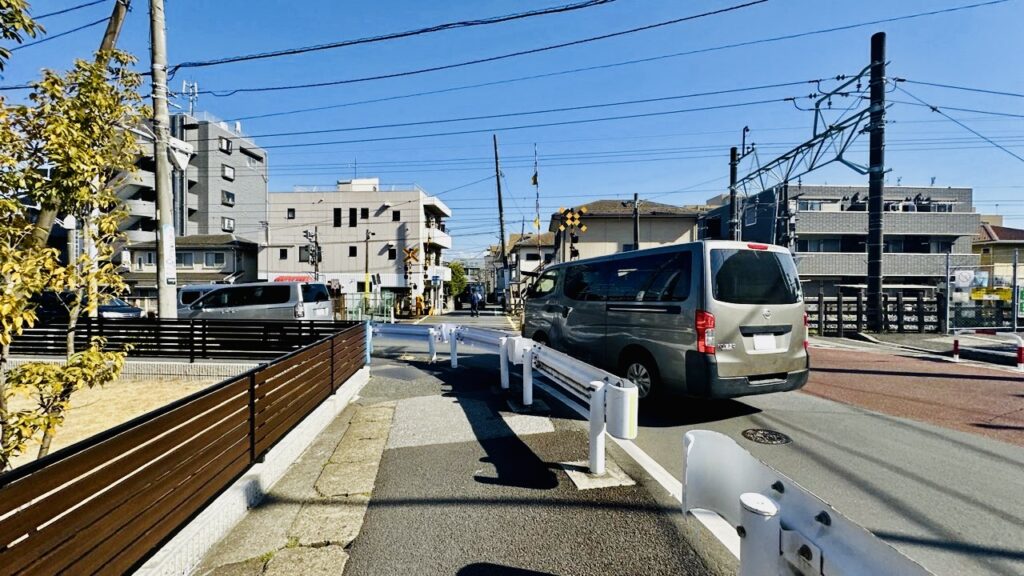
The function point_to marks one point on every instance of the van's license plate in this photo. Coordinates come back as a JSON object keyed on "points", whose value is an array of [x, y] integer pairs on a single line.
{"points": [[764, 341]]}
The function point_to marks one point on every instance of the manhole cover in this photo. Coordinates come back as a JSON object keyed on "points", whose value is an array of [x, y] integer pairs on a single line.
{"points": [[763, 436]]}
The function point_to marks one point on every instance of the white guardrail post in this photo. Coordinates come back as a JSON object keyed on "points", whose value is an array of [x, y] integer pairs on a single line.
{"points": [[503, 361], [453, 341], [783, 528], [528, 377], [432, 344], [597, 428]]}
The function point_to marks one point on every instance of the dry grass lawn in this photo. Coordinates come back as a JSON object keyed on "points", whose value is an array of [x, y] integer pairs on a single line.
{"points": [[97, 409]]}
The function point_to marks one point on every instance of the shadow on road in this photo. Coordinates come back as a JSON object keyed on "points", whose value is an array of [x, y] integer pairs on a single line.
{"points": [[488, 569], [680, 411]]}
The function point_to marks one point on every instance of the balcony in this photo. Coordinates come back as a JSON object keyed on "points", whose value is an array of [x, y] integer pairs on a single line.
{"points": [[139, 179], [438, 237], [136, 236], [923, 223], [140, 208], [893, 264]]}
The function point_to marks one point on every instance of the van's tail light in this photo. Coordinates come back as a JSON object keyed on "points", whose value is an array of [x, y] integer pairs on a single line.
{"points": [[300, 312], [705, 332]]}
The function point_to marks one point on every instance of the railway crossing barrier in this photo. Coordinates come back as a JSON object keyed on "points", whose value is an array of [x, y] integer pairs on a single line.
{"points": [[783, 528], [1016, 339], [613, 401]]}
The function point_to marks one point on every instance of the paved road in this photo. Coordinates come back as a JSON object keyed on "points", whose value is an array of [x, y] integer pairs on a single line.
{"points": [[949, 499]]}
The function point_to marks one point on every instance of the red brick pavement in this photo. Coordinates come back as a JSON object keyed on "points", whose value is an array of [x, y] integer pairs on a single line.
{"points": [[959, 396]]}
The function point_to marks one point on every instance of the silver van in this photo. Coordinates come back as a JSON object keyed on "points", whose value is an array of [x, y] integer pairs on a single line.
{"points": [[711, 319], [263, 301]]}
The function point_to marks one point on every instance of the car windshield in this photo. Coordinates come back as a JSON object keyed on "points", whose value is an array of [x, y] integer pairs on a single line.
{"points": [[754, 277], [117, 302]]}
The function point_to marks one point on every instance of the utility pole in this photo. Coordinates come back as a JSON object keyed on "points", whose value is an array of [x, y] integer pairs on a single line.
{"points": [[165, 262], [501, 215], [734, 224], [44, 223], [636, 221], [876, 181], [366, 277]]}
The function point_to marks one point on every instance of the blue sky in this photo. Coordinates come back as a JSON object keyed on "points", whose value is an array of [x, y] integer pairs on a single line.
{"points": [[677, 158]]}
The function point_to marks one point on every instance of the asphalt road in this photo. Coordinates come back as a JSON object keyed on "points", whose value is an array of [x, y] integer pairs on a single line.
{"points": [[949, 499]]}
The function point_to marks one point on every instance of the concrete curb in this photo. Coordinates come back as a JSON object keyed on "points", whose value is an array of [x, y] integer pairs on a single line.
{"points": [[184, 552], [966, 352]]}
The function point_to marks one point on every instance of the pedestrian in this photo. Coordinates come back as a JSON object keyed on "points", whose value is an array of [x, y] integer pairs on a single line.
{"points": [[474, 303]]}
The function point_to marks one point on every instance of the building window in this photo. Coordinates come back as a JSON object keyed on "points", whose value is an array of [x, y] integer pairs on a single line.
{"points": [[532, 257], [150, 258], [227, 198], [392, 253], [337, 217], [352, 251], [396, 215], [282, 254], [184, 259], [808, 205], [364, 213], [750, 216], [291, 214], [227, 224], [214, 259], [351, 217], [227, 172], [225, 145]]}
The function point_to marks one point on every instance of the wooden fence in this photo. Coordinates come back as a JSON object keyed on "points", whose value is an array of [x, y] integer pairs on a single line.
{"points": [[192, 339], [104, 504], [839, 315]]}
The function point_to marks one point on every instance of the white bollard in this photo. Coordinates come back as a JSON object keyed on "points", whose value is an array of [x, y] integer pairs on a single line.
{"points": [[455, 350], [528, 378], [432, 344], [597, 428], [759, 544], [503, 360]]}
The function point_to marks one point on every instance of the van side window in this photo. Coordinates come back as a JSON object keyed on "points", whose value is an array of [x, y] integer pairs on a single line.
{"points": [[190, 296], [315, 293], [583, 283], [269, 294], [544, 285], [628, 278], [672, 281]]}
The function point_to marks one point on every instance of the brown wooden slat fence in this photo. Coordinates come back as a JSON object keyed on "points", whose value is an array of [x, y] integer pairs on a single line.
{"points": [[105, 504], [843, 315]]}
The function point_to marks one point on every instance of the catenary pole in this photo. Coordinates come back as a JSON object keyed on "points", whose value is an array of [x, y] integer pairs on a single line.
{"points": [[876, 181], [734, 161], [47, 215], [165, 262], [636, 221]]}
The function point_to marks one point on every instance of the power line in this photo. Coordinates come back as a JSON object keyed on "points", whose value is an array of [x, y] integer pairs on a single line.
{"points": [[488, 59], [66, 10], [54, 37], [394, 35], [954, 108], [964, 88], [961, 124]]}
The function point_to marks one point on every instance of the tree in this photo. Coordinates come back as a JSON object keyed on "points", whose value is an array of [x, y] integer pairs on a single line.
{"points": [[458, 282], [68, 148]]}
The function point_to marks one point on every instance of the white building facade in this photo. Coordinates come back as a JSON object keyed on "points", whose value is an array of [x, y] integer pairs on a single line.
{"points": [[396, 235]]}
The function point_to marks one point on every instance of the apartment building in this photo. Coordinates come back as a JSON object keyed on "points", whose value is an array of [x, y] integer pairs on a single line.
{"points": [[826, 227], [393, 233], [219, 181]]}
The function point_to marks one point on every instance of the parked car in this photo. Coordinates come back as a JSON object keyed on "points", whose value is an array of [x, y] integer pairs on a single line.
{"points": [[52, 307], [263, 301], [191, 292], [713, 319]]}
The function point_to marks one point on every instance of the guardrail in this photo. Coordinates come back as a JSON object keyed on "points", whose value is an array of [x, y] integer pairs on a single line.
{"points": [[1016, 339], [103, 504], [613, 401], [193, 339], [783, 528]]}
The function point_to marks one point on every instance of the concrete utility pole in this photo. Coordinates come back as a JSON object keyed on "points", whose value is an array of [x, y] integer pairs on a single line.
{"points": [[636, 221], [166, 273], [501, 215], [366, 277], [876, 182], [734, 223], [44, 223]]}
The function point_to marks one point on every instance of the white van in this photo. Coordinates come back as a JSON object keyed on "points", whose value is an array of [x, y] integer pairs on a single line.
{"points": [[263, 301]]}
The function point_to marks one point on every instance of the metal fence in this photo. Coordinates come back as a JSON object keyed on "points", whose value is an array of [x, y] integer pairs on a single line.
{"points": [[985, 297], [103, 504], [377, 307], [192, 339]]}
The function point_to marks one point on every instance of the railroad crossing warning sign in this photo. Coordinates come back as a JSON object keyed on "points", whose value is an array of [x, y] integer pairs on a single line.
{"points": [[572, 219], [412, 254]]}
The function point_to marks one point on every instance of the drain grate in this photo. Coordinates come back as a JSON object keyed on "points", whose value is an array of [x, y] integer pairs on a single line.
{"points": [[765, 436]]}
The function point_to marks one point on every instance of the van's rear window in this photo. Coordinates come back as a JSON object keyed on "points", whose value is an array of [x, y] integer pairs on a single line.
{"points": [[754, 277]]}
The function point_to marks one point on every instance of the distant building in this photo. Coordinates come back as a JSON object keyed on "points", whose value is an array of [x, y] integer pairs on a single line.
{"points": [[996, 246], [528, 253], [826, 228], [200, 259], [609, 228], [408, 237]]}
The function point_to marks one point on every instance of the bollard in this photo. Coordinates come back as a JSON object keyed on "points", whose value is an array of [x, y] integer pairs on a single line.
{"points": [[503, 360], [759, 532], [1020, 358], [597, 427], [432, 344], [454, 339], [528, 378], [369, 341], [956, 350]]}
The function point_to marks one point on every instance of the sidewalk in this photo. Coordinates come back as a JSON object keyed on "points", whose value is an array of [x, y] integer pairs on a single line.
{"points": [[430, 473]]}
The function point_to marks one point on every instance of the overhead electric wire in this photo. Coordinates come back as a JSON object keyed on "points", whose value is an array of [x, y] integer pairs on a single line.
{"points": [[954, 108], [54, 37], [964, 88], [961, 124], [394, 35], [66, 10], [222, 93]]}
